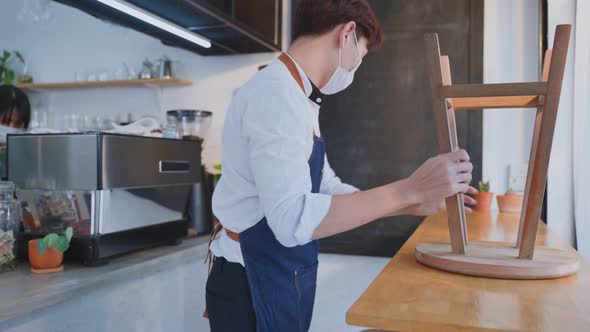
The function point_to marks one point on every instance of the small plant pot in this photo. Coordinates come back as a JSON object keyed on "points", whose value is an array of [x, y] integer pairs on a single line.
{"points": [[510, 203], [50, 261], [484, 201]]}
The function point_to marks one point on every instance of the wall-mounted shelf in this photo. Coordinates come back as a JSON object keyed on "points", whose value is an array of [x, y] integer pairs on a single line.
{"points": [[158, 82]]}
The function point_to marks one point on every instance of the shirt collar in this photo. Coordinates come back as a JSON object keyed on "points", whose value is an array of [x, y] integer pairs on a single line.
{"points": [[311, 91]]}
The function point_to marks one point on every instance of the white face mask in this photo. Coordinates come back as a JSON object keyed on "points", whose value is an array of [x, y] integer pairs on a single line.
{"points": [[341, 78], [5, 130]]}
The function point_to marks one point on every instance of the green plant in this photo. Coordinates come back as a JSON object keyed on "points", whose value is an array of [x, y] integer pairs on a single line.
{"points": [[484, 187], [217, 176], [7, 75], [60, 243]]}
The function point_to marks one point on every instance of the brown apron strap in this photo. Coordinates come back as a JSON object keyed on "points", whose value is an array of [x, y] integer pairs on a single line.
{"points": [[292, 67], [209, 258], [232, 235], [286, 60]]}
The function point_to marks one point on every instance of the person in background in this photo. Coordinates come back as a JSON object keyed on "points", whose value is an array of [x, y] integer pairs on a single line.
{"points": [[15, 111], [15, 114]]}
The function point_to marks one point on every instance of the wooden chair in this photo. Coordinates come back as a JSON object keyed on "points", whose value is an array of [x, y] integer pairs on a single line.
{"points": [[489, 259]]}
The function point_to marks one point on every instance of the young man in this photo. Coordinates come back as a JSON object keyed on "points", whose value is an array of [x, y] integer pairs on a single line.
{"points": [[278, 194]]}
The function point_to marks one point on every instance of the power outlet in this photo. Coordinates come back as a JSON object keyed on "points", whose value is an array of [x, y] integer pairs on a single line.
{"points": [[517, 177]]}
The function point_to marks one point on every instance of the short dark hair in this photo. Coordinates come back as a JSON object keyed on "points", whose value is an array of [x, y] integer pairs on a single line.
{"points": [[316, 17], [13, 99]]}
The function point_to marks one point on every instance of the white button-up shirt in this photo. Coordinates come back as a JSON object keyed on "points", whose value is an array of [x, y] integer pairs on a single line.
{"points": [[267, 142]]}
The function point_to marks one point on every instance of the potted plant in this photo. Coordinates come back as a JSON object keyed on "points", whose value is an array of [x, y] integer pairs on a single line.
{"points": [[484, 197], [216, 174], [46, 254], [8, 75], [510, 203]]}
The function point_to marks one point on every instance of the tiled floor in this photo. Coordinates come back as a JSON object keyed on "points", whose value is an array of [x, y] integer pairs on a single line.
{"points": [[341, 280]]}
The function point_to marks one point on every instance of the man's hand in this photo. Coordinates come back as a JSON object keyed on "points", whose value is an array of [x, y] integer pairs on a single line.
{"points": [[433, 207], [440, 177], [422, 193]]}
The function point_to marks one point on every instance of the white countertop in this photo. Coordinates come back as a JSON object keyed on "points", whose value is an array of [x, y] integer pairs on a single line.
{"points": [[23, 292]]}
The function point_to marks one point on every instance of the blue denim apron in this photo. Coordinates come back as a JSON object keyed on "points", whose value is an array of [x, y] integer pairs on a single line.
{"points": [[283, 280]]}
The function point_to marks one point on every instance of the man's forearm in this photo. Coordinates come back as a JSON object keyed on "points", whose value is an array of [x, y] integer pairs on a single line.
{"points": [[353, 210]]}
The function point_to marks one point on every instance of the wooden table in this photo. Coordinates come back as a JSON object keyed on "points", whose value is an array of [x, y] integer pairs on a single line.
{"points": [[407, 296]]}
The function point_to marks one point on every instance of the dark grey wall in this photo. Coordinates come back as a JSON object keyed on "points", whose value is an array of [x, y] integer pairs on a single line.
{"points": [[382, 128]]}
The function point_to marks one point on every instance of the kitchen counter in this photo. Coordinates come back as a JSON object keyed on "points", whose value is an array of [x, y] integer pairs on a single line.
{"points": [[23, 293], [408, 296]]}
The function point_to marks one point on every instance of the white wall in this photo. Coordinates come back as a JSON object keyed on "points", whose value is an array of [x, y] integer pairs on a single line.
{"points": [[73, 41], [510, 55], [581, 137], [560, 181]]}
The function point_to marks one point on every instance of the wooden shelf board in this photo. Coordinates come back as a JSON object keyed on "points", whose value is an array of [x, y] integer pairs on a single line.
{"points": [[97, 84]]}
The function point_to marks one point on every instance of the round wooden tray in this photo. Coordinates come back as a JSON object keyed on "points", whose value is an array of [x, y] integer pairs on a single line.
{"points": [[499, 260]]}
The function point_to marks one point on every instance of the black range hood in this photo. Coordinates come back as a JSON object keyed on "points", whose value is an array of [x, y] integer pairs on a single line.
{"points": [[233, 26]]}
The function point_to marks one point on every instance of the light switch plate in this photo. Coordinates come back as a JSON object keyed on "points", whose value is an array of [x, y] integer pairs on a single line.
{"points": [[517, 177]]}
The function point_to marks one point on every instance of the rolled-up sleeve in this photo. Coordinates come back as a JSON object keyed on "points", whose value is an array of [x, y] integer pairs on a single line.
{"points": [[277, 130], [332, 185]]}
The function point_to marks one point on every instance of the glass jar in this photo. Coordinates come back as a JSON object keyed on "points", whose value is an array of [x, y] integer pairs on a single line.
{"points": [[192, 124], [171, 130], [10, 218]]}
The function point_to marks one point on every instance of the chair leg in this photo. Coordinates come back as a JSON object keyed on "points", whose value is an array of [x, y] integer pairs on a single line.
{"points": [[535, 141], [529, 177], [455, 211], [540, 162], [446, 78]]}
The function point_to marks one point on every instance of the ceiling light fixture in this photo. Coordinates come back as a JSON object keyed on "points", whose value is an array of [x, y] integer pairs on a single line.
{"points": [[157, 21]]}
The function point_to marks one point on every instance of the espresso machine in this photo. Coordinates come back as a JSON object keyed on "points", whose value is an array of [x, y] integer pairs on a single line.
{"points": [[119, 193]]}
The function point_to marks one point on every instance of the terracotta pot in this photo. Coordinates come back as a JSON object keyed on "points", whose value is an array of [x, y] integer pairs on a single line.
{"points": [[49, 260], [484, 201], [510, 203]]}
